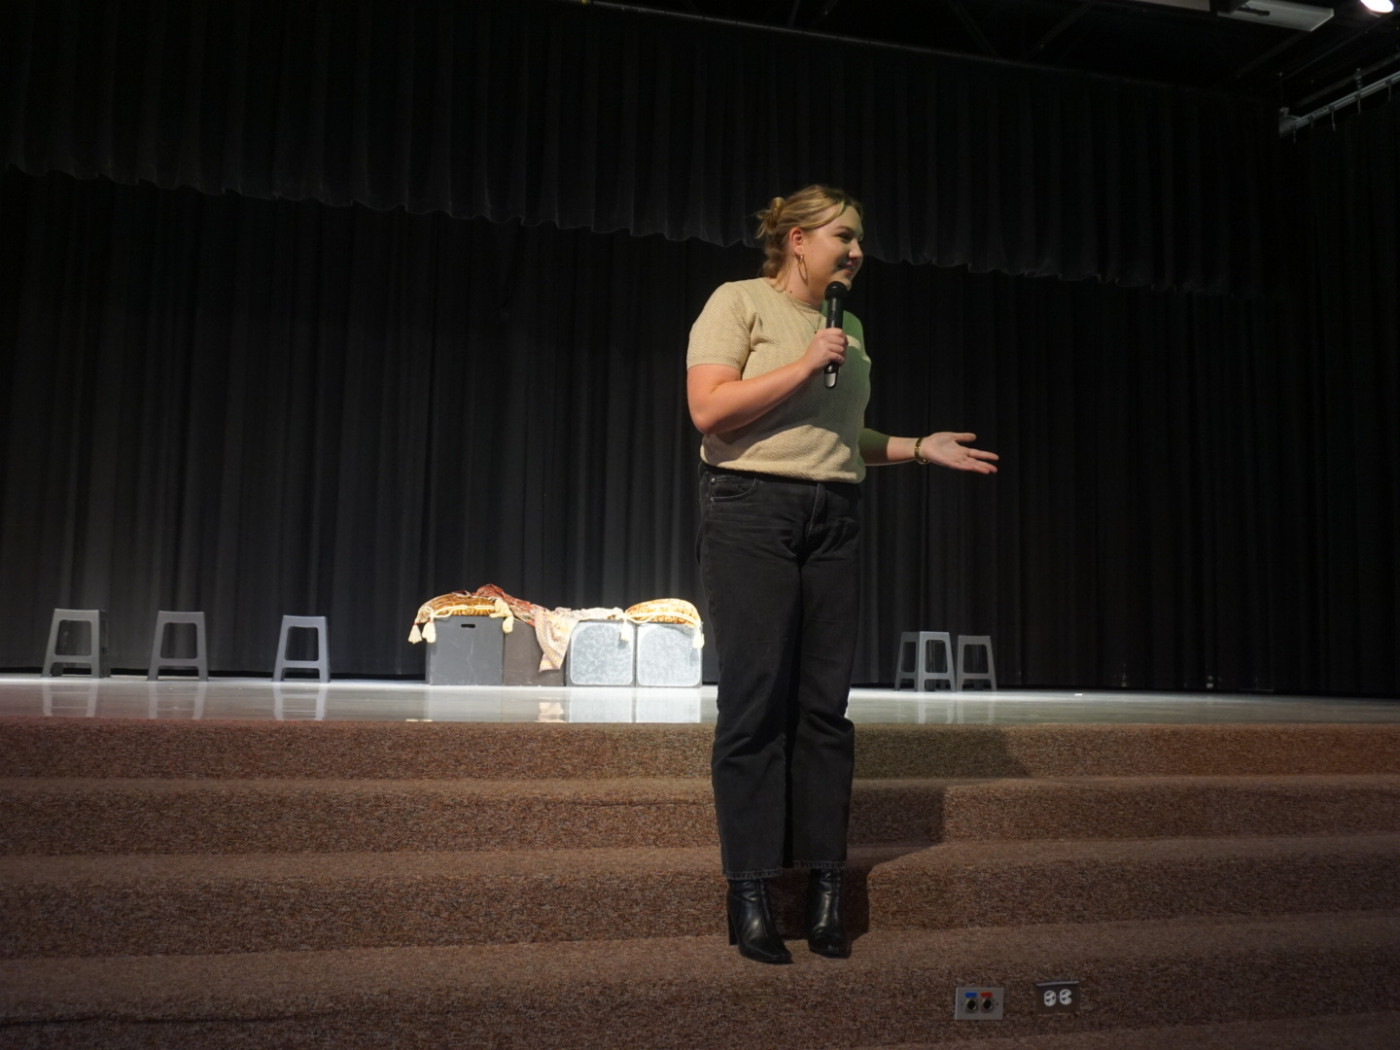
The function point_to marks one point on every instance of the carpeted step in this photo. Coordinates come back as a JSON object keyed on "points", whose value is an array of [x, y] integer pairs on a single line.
{"points": [[1167, 806], [145, 905], [45, 816], [262, 815], [52, 816], [1003, 883], [1367, 1031], [62, 747], [695, 992], [195, 905]]}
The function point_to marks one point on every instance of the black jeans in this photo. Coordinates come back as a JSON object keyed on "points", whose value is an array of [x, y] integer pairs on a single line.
{"points": [[781, 562]]}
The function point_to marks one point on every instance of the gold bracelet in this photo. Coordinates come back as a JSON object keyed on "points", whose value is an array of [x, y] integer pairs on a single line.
{"points": [[919, 457]]}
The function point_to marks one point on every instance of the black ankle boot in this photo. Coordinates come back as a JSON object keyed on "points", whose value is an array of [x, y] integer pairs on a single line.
{"points": [[751, 924], [826, 930]]}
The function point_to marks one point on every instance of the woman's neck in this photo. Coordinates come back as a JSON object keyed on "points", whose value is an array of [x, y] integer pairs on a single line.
{"points": [[790, 282]]}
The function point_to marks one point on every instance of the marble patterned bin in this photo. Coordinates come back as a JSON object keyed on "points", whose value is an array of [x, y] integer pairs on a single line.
{"points": [[667, 655], [602, 652]]}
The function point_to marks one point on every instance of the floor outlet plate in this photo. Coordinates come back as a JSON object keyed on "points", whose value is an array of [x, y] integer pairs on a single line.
{"points": [[978, 1003]]}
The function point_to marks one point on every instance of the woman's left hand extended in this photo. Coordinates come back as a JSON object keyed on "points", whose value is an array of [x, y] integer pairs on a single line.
{"points": [[949, 449]]}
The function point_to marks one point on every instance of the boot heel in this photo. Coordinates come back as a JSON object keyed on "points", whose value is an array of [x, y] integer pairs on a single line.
{"points": [[826, 930]]}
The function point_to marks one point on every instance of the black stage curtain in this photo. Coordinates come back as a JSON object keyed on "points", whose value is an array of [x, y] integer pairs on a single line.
{"points": [[257, 407], [223, 400], [540, 111]]}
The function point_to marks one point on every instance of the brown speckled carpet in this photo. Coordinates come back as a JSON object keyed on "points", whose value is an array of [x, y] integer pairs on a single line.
{"points": [[357, 885]]}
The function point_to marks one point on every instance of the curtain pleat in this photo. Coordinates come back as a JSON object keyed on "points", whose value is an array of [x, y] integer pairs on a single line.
{"points": [[1339, 380]]}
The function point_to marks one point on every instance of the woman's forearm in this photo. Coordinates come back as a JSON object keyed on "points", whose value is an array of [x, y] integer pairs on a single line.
{"points": [[721, 401]]}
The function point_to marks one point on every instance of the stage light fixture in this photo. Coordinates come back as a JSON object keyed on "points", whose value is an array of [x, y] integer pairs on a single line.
{"points": [[1281, 14], [1380, 7]]}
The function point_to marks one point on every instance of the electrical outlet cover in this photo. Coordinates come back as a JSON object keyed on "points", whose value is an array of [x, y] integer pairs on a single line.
{"points": [[1057, 997]]}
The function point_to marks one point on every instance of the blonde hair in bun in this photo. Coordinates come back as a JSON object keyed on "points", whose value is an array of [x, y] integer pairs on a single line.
{"points": [[808, 209]]}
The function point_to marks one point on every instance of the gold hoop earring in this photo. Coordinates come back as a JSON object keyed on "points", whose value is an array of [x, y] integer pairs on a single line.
{"points": [[802, 268]]}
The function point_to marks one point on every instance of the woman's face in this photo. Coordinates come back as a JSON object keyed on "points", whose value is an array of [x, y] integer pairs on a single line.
{"points": [[831, 252]]}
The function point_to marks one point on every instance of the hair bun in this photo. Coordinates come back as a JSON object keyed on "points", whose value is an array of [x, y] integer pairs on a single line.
{"points": [[770, 216]]}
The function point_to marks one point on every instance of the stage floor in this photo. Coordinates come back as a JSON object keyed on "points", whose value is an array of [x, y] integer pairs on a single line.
{"points": [[388, 701]]}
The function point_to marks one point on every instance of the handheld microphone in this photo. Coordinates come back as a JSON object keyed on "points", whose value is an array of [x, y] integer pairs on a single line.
{"points": [[835, 292]]}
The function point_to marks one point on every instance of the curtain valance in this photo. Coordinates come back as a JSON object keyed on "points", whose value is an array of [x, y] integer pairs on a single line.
{"points": [[612, 120]]}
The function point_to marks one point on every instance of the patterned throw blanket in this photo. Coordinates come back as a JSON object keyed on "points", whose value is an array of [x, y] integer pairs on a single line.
{"points": [[553, 627]]}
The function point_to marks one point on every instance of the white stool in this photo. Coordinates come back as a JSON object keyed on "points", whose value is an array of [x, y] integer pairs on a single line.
{"points": [[322, 663], [94, 658], [976, 641], [918, 650], [199, 662]]}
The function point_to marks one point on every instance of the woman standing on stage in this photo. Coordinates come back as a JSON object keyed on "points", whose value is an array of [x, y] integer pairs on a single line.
{"points": [[782, 456]]}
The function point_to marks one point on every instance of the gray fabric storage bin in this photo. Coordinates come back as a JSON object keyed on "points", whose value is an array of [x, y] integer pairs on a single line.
{"points": [[469, 651], [522, 664]]}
